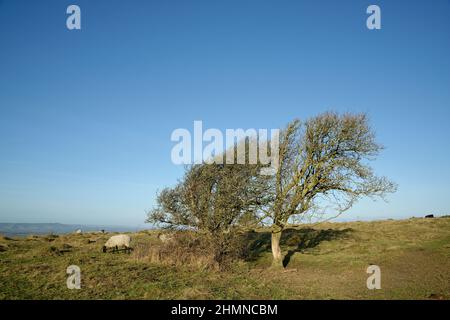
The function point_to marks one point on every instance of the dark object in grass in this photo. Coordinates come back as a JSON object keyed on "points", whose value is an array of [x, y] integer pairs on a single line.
{"points": [[51, 237], [65, 248], [116, 249], [429, 216]]}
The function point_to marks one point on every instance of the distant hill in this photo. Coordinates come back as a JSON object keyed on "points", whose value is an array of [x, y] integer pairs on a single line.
{"points": [[23, 229]]}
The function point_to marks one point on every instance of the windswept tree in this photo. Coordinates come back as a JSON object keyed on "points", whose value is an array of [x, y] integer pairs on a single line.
{"points": [[323, 162], [210, 198], [215, 200]]}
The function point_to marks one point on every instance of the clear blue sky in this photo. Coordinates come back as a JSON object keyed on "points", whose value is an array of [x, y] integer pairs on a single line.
{"points": [[86, 116]]}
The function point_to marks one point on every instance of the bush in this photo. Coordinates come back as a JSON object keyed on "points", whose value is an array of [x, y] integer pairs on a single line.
{"points": [[189, 248]]}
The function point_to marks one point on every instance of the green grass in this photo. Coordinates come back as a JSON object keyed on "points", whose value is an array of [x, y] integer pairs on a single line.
{"points": [[327, 261]]}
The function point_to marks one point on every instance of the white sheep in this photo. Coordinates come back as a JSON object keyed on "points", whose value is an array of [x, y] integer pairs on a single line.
{"points": [[118, 241]]}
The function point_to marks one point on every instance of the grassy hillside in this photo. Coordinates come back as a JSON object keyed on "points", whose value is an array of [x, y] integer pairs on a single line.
{"points": [[327, 261]]}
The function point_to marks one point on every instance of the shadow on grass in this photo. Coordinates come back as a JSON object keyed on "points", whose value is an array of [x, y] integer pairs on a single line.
{"points": [[294, 240]]}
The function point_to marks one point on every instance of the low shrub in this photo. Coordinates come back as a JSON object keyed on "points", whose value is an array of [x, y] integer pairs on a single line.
{"points": [[189, 248]]}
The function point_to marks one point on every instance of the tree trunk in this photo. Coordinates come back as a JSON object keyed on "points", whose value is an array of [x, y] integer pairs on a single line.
{"points": [[276, 250]]}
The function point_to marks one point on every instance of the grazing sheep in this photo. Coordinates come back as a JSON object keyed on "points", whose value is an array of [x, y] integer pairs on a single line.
{"points": [[78, 231], [118, 241]]}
